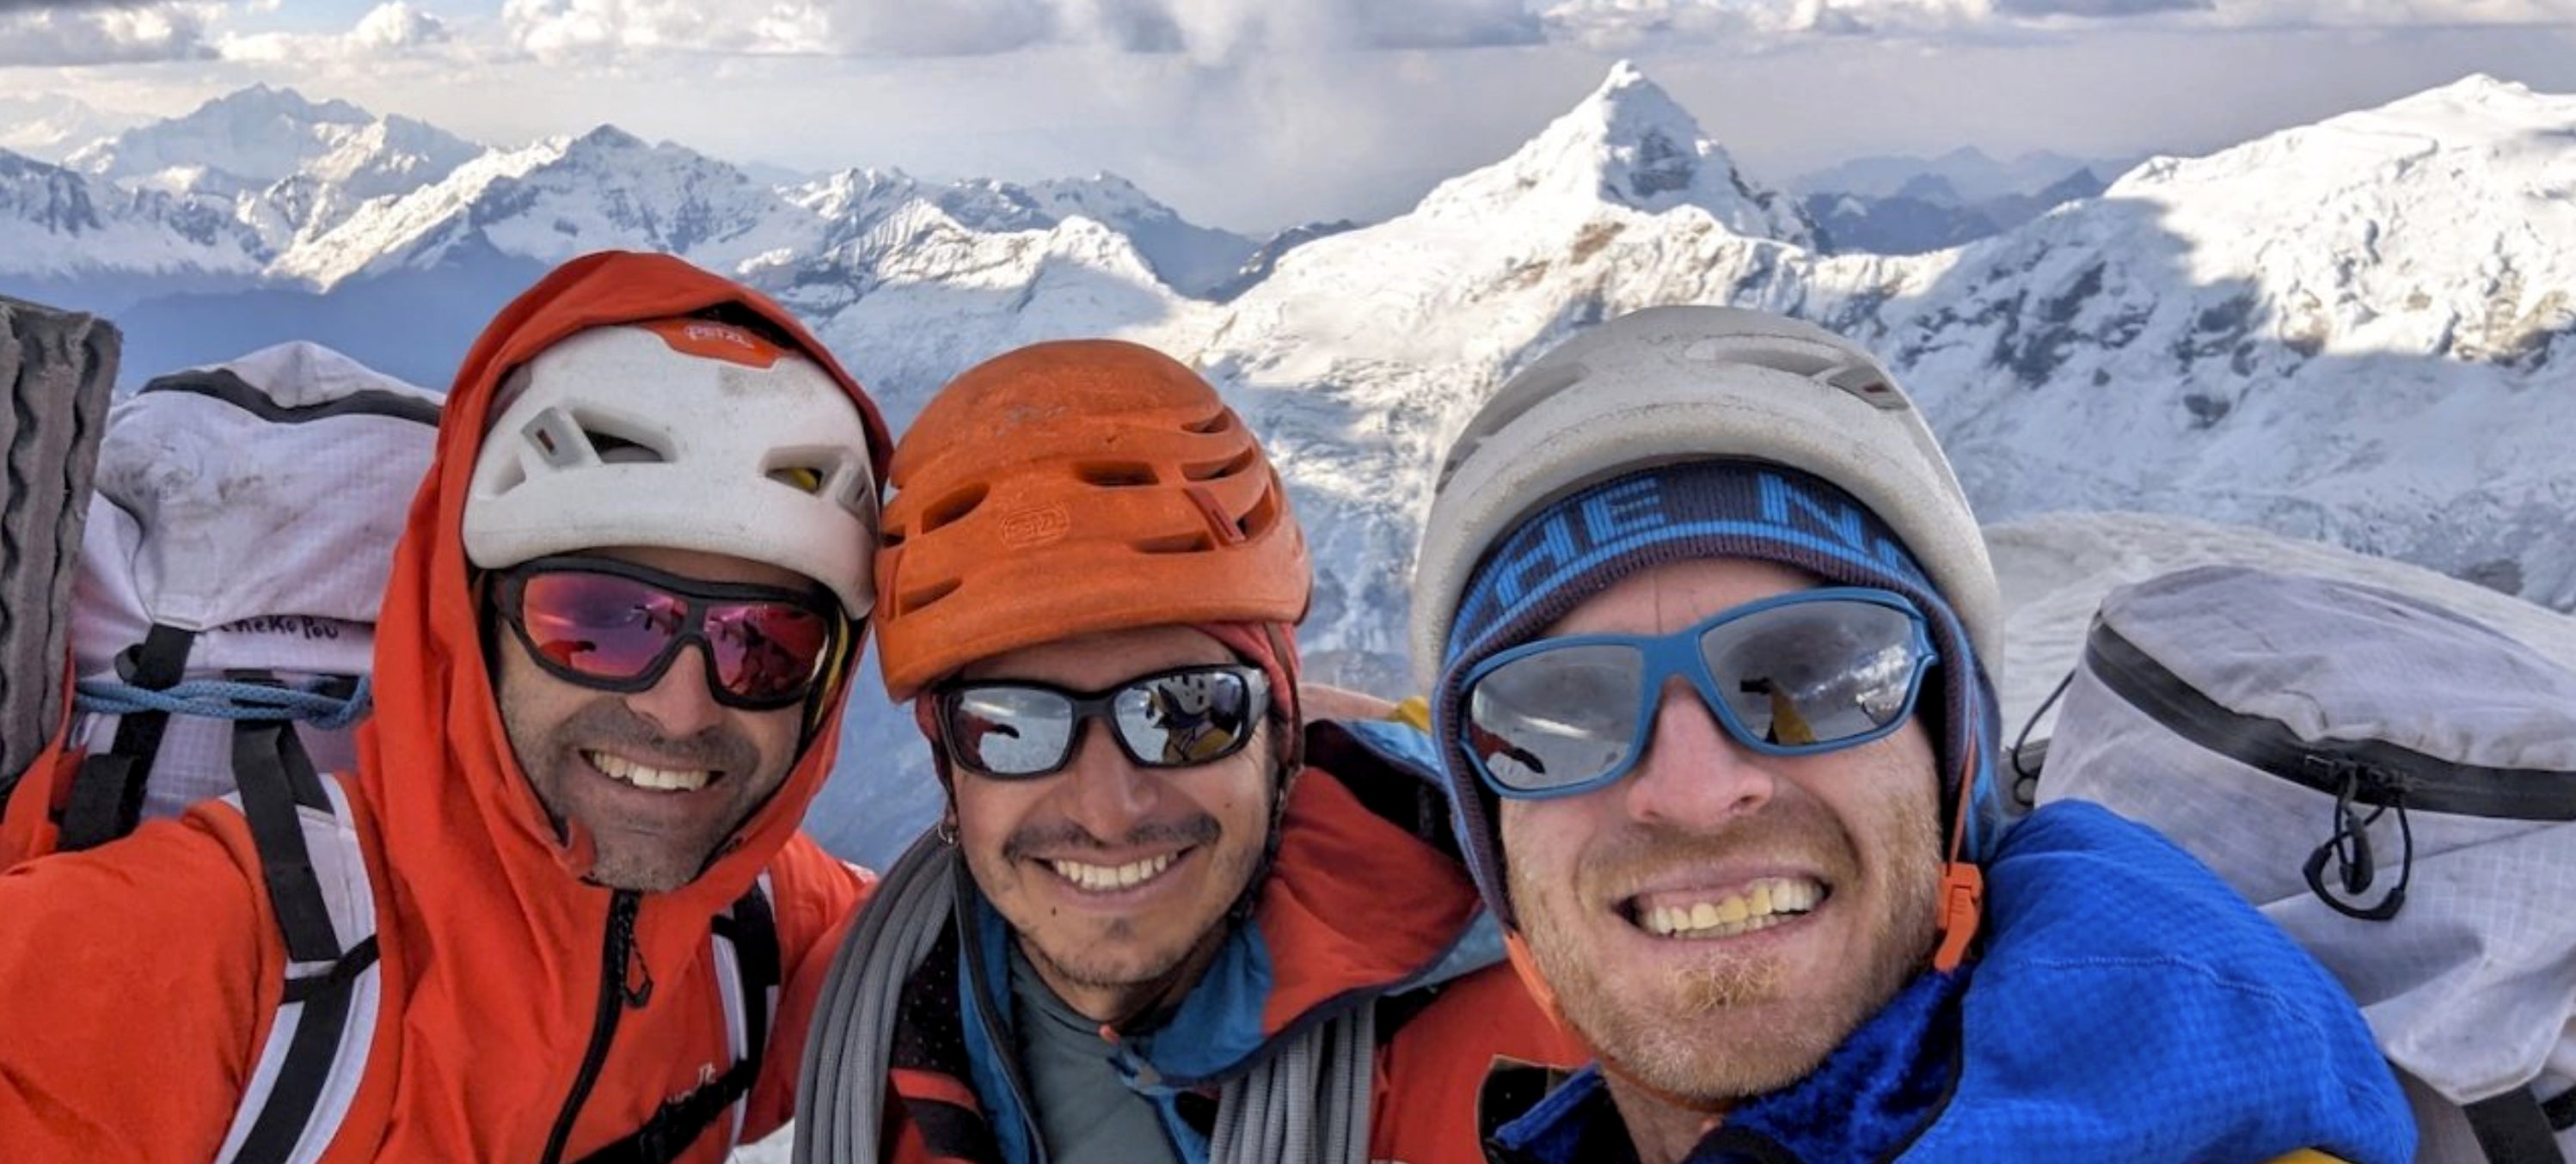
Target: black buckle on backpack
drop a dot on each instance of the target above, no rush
(2360, 786)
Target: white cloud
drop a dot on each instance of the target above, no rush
(103, 35)
(1625, 24)
(396, 26)
(1231, 31)
(389, 31)
(608, 30)
(1206, 30)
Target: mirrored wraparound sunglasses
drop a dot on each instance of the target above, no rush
(613, 625)
(1020, 729)
(1801, 673)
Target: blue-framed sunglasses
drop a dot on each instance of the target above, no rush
(1802, 673)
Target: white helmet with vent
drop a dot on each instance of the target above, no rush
(682, 433)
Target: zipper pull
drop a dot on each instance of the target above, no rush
(2348, 846)
(635, 981)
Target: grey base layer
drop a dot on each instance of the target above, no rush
(59, 368)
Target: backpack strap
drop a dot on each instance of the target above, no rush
(106, 798)
(2561, 1110)
(2514, 1128)
(748, 972)
(315, 873)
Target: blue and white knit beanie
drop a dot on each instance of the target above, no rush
(1695, 432)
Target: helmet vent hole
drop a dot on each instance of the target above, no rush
(1190, 543)
(616, 444)
(1865, 382)
(801, 478)
(1218, 470)
(952, 507)
(922, 596)
(1263, 514)
(1115, 474)
(1220, 421)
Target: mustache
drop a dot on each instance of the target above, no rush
(608, 722)
(1617, 866)
(1195, 830)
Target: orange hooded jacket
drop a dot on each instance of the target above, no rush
(138, 979)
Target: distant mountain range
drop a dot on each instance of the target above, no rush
(2356, 331)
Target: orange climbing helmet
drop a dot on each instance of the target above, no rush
(1069, 488)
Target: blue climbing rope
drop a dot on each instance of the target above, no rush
(226, 699)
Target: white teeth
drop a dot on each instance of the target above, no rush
(1764, 904)
(623, 770)
(1110, 878)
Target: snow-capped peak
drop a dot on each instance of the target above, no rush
(560, 197)
(286, 167)
(255, 136)
(1629, 143)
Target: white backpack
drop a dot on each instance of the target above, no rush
(223, 627)
(2395, 785)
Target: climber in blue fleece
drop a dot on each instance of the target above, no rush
(1700, 608)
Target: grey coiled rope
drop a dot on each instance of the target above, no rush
(1308, 1103)
(840, 1092)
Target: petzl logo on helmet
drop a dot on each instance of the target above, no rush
(1035, 526)
(715, 341)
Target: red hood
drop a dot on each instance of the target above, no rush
(463, 834)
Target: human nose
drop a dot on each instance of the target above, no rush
(1694, 776)
(679, 703)
(1103, 791)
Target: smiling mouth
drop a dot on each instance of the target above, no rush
(1091, 878)
(1760, 905)
(647, 777)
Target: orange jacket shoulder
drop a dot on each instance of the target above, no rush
(1430, 1074)
(134, 982)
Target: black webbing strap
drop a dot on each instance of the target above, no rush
(679, 1122)
(2561, 1110)
(307, 1069)
(106, 799)
(2513, 1129)
(276, 776)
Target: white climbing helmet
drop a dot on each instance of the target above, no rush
(683, 433)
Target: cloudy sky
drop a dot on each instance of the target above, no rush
(1254, 114)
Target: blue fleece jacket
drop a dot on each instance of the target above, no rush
(2127, 1006)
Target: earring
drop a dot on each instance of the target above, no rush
(946, 830)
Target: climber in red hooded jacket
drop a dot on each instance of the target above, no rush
(608, 681)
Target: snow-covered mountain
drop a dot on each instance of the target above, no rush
(1929, 214)
(1192, 259)
(280, 163)
(63, 229)
(50, 126)
(565, 196)
(2356, 331)
(1968, 173)
(246, 140)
